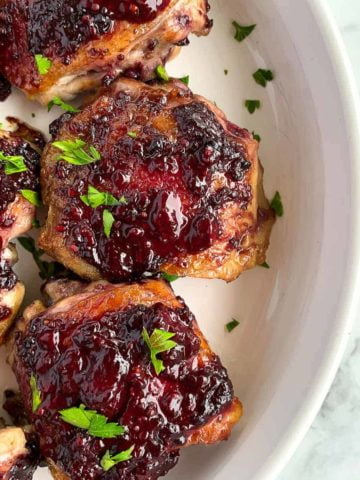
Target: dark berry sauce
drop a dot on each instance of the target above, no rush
(104, 364)
(25, 465)
(176, 182)
(5, 88)
(8, 278)
(11, 184)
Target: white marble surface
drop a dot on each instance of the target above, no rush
(331, 449)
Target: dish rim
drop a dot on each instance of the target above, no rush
(350, 305)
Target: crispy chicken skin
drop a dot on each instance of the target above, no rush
(99, 359)
(190, 183)
(16, 213)
(87, 40)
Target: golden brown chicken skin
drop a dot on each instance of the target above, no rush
(171, 186)
(89, 351)
(52, 48)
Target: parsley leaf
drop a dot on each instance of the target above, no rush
(96, 425)
(31, 196)
(74, 153)
(252, 105)
(256, 136)
(108, 222)
(264, 265)
(132, 134)
(170, 278)
(13, 163)
(95, 198)
(231, 325)
(262, 76)
(158, 342)
(108, 461)
(226, 71)
(242, 31)
(161, 73)
(43, 64)
(46, 269)
(185, 79)
(277, 205)
(35, 394)
(65, 106)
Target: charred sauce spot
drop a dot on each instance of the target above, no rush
(175, 184)
(103, 363)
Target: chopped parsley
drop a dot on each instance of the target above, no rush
(185, 79)
(35, 394)
(256, 137)
(108, 221)
(95, 198)
(43, 64)
(226, 71)
(46, 269)
(277, 205)
(74, 153)
(13, 163)
(97, 425)
(262, 76)
(170, 278)
(242, 31)
(265, 265)
(132, 134)
(65, 106)
(31, 196)
(158, 342)
(35, 223)
(108, 461)
(161, 73)
(252, 105)
(231, 325)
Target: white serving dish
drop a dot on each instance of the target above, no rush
(295, 318)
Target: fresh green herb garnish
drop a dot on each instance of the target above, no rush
(252, 105)
(262, 76)
(65, 106)
(43, 64)
(170, 278)
(46, 269)
(95, 198)
(108, 221)
(231, 325)
(265, 265)
(132, 134)
(242, 31)
(256, 137)
(161, 73)
(31, 196)
(108, 461)
(277, 205)
(33, 115)
(13, 163)
(226, 71)
(35, 223)
(158, 342)
(74, 153)
(35, 394)
(185, 79)
(97, 425)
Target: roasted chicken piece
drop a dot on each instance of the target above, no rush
(172, 185)
(19, 170)
(99, 376)
(54, 48)
(18, 454)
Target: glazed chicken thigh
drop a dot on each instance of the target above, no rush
(54, 48)
(19, 171)
(106, 398)
(167, 184)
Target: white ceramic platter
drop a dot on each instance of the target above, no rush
(295, 317)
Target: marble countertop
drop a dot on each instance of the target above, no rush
(331, 449)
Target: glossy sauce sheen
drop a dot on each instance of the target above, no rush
(167, 176)
(57, 28)
(104, 364)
